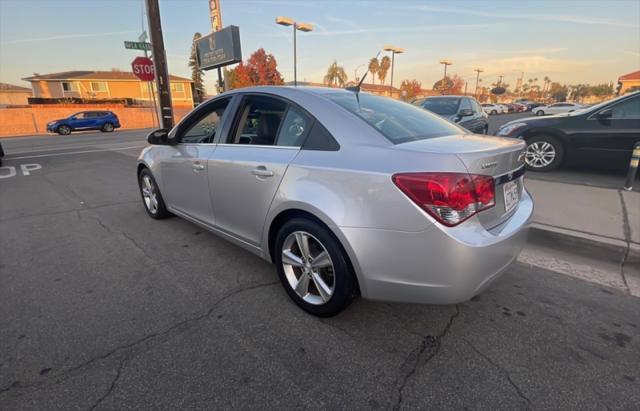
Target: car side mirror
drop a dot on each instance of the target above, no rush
(158, 137)
(465, 112)
(605, 114)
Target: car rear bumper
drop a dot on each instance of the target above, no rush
(439, 265)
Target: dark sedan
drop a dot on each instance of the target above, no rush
(462, 110)
(603, 134)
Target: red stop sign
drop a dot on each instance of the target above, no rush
(143, 68)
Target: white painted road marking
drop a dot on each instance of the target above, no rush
(12, 171)
(25, 168)
(28, 168)
(71, 152)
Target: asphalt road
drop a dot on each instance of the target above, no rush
(102, 307)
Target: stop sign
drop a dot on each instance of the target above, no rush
(143, 68)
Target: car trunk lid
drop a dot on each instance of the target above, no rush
(500, 158)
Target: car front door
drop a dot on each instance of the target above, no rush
(80, 120)
(611, 132)
(471, 122)
(185, 178)
(246, 168)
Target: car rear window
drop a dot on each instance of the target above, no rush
(442, 105)
(399, 122)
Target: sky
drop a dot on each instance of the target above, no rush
(570, 41)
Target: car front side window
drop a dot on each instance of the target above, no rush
(204, 130)
(626, 110)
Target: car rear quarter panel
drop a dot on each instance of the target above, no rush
(353, 188)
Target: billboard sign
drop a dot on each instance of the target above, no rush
(219, 48)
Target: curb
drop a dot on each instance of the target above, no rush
(588, 245)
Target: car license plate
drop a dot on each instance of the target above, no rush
(511, 197)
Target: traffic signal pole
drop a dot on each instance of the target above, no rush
(160, 63)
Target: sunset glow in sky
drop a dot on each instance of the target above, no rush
(569, 41)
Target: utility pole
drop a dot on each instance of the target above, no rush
(160, 63)
(477, 70)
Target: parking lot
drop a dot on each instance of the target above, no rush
(102, 307)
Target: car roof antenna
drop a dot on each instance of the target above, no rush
(357, 88)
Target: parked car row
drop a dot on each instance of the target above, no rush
(556, 108)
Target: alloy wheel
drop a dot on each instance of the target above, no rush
(539, 154)
(64, 130)
(108, 127)
(149, 194)
(308, 268)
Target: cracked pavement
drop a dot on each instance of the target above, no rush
(104, 308)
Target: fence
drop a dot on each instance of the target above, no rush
(34, 119)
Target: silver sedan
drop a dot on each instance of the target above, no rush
(346, 193)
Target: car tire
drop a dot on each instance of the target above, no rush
(107, 128)
(539, 113)
(543, 153)
(151, 197)
(63, 130)
(302, 279)
(494, 112)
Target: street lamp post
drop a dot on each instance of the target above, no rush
(305, 27)
(445, 63)
(444, 78)
(477, 70)
(394, 51)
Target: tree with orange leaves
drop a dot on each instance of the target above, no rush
(260, 70)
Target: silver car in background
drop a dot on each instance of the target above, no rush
(347, 193)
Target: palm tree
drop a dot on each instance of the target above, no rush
(385, 64)
(336, 76)
(374, 66)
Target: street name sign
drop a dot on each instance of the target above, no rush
(137, 45)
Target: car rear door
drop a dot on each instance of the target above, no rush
(185, 178)
(95, 119)
(247, 168)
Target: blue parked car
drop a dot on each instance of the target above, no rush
(85, 120)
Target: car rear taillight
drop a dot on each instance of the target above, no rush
(450, 198)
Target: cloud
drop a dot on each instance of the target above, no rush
(344, 22)
(533, 65)
(518, 16)
(71, 36)
(444, 27)
(631, 53)
(548, 50)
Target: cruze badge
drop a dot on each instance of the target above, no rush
(489, 165)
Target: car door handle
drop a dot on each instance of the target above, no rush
(261, 171)
(198, 166)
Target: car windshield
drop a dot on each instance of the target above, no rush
(442, 106)
(397, 121)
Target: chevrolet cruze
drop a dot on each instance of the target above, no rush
(347, 193)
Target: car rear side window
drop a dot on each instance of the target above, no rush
(399, 122)
(320, 139)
